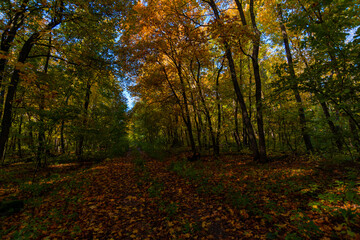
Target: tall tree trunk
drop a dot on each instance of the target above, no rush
(23, 55)
(41, 136)
(62, 140)
(355, 135)
(258, 91)
(62, 128)
(206, 110)
(80, 143)
(176, 139)
(237, 133)
(198, 129)
(8, 105)
(249, 87)
(7, 37)
(302, 119)
(195, 110)
(186, 107)
(19, 138)
(240, 97)
(201, 126)
(217, 147)
(256, 68)
(334, 129)
(183, 107)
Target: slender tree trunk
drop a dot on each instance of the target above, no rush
(23, 55)
(249, 87)
(304, 131)
(12, 145)
(187, 111)
(334, 129)
(7, 37)
(355, 135)
(80, 143)
(258, 91)
(176, 138)
(41, 136)
(7, 113)
(62, 140)
(62, 128)
(217, 147)
(201, 126)
(206, 110)
(19, 138)
(236, 133)
(249, 127)
(198, 129)
(185, 117)
(256, 69)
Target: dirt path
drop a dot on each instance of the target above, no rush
(114, 200)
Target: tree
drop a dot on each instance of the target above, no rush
(240, 98)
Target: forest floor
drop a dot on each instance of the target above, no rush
(138, 197)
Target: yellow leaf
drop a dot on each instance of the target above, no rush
(339, 227)
(187, 235)
(203, 224)
(132, 236)
(231, 211)
(135, 231)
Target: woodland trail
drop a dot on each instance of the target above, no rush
(114, 200)
(137, 197)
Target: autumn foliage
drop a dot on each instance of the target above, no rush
(198, 119)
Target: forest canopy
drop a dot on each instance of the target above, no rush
(179, 119)
(266, 76)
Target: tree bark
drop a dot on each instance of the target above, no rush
(217, 147)
(258, 91)
(240, 97)
(8, 36)
(186, 107)
(185, 114)
(23, 55)
(19, 138)
(41, 136)
(206, 110)
(294, 86)
(355, 135)
(237, 133)
(195, 110)
(7, 113)
(334, 129)
(80, 143)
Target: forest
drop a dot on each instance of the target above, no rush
(181, 119)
